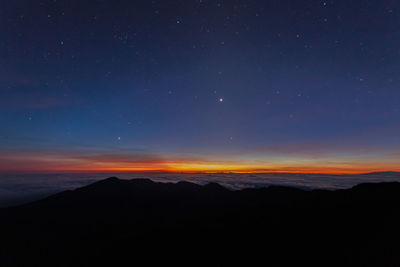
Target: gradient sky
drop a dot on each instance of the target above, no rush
(200, 85)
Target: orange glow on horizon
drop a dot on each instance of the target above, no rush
(37, 161)
(185, 169)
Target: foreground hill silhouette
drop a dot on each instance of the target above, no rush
(138, 222)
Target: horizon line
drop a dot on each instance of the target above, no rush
(191, 172)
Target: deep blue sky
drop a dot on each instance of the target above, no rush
(202, 85)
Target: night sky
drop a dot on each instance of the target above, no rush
(200, 85)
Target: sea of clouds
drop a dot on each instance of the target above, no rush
(20, 188)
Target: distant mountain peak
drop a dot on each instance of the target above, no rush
(383, 173)
(113, 178)
(110, 180)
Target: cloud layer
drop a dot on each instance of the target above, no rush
(17, 188)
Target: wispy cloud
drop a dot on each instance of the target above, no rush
(32, 100)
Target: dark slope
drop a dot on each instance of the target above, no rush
(387, 173)
(139, 222)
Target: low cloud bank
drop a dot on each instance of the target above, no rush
(20, 188)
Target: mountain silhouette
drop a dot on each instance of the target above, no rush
(387, 173)
(117, 222)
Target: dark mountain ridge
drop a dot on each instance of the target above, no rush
(381, 174)
(127, 222)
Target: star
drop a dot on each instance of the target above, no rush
(119, 138)
(221, 100)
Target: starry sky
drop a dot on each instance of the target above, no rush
(200, 86)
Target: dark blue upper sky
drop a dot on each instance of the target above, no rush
(200, 85)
